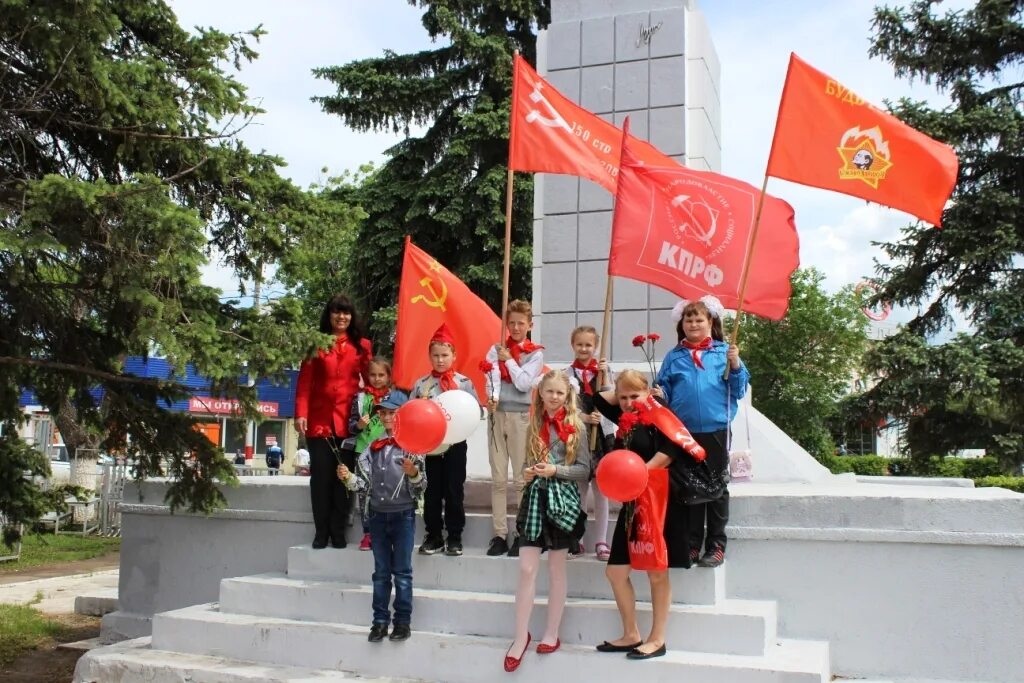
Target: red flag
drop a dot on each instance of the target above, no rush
(429, 295)
(828, 137)
(687, 231)
(549, 133)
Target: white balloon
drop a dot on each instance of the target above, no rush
(462, 413)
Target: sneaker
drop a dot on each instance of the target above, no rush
(513, 550)
(432, 545)
(497, 547)
(694, 556)
(377, 632)
(713, 557)
(454, 547)
(578, 552)
(365, 543)
(401, 632)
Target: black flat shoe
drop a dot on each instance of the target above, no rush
(319, 543)
(610, 647)
(637, 654)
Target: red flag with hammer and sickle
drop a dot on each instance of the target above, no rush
(690, 232)
(429, 295)
(549, 133)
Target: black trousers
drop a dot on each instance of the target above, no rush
(329, 497)
(446, 491)
(713, 515)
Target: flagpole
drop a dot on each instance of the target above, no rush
(609, 288)
(508, 206)
(746, 271)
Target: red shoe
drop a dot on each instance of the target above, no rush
(512, 663)
(365, 543)
(545, 649)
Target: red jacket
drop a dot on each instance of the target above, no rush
(326, 385)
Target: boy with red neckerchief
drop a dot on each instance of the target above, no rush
(514, 368)
(446, 471)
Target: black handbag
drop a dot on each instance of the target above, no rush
(697, 482)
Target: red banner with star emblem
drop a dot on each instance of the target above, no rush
(428, 295)
(688, 231)
(549, 133)
(828, 137)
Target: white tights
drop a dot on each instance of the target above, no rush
(529, 564)
(600, 510)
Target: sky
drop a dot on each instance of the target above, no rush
(753, 40)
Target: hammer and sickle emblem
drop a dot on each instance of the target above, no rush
(555, 119)
(438, 300)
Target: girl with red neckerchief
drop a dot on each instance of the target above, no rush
(513, 370)
(550, 517)
(364, 422)
(585, 374)
(323, 396)
(691, 379)
(657, 450)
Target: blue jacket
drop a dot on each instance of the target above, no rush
(698, 397)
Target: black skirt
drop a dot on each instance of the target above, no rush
(551, 537)
(676, 537)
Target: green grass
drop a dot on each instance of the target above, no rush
(48, 549)
(22, 628)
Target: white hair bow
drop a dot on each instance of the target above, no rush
(715, 307)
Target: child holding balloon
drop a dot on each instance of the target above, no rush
(446, 471)
(657, 450)
(585, 373)
(364, 423)
(391, 481)
(551, 517)
(691, 377)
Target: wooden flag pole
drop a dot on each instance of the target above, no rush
(746, 272)
(508, 254)
(508, 208)
(603, 377)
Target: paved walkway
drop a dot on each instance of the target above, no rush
(59, 593)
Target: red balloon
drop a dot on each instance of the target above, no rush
(622, 475)
(420, 425)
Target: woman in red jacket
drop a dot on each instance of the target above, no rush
(323, 395)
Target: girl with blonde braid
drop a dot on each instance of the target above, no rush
(551, 517)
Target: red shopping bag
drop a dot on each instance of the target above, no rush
(647, 548)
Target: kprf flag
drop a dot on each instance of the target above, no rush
(549, 133)
(429, 295)
(688, 231)
(828, 137)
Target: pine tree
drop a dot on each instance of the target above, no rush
(446, 187)
(120, 173)
(968, 391)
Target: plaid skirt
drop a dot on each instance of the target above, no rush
(552, 536)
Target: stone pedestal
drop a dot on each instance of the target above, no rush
(651, 60)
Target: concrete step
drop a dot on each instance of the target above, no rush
(474, 571)
(204, 630)
(135, 660)
(96, 602)
(479, 531)
(742, 627)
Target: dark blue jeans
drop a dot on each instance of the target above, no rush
(391, 538)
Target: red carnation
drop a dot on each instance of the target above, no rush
(654, 337)
(639, 340)
(626, 424)
(486, 366)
